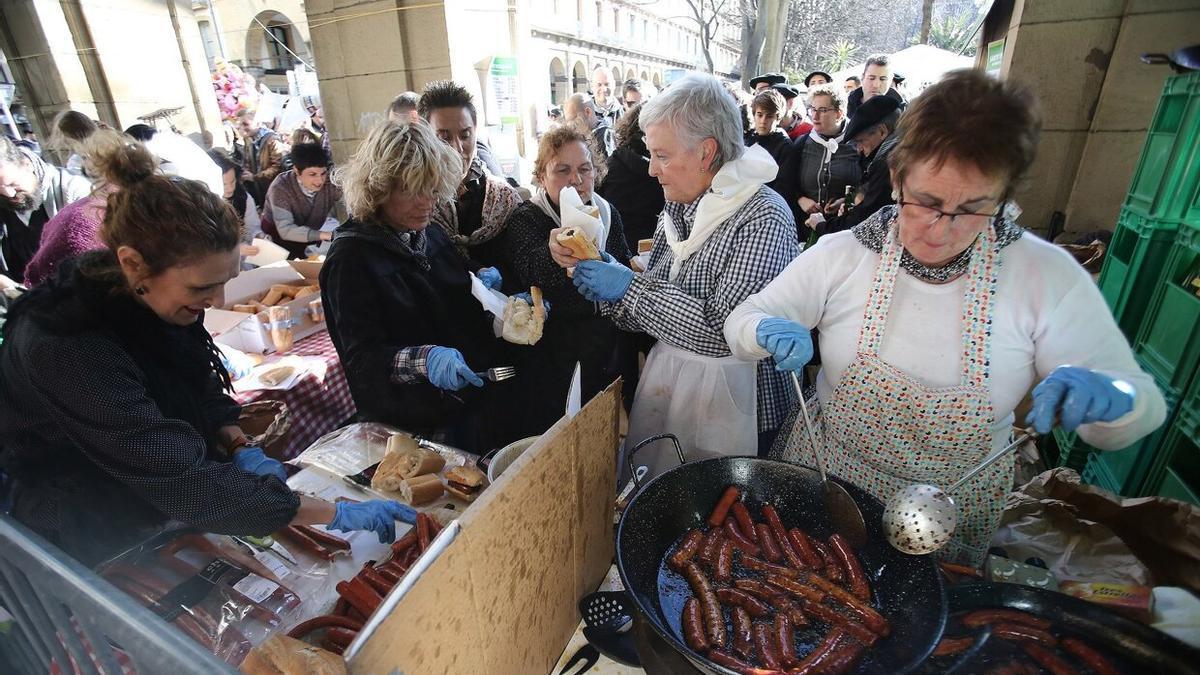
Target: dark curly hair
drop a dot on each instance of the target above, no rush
(629, 131)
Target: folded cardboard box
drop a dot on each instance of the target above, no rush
(249, 332)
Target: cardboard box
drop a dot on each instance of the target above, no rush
(501, 598)
(248, 332)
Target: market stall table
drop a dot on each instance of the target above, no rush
(317, 405)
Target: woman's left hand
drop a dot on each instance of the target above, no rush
(254, 461)
(561, 254)
(490, 276)
(604, 280)
(1078, 396)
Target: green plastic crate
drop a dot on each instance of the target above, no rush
(1168, 171)
(1072, 452)
(1168, 344)
(1176, 473)
(1134, 265)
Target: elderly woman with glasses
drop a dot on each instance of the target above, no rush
(721, 237)
(939, 313)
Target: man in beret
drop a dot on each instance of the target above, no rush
(817, 77)
(793, 122)
(760, 82)
(873, 132)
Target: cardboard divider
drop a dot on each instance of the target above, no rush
(502, 597)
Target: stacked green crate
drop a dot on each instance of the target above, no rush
(1175, 472)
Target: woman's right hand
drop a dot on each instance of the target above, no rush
(561, 254)
(808, 205)
(448, 370)
(789, 343)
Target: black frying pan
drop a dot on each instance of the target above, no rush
(1132, 647)
(908, 589)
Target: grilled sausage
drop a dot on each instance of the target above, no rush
(723, 568)
(759, 565)
(844, 657)
(722, 508)
(786, 639)
(770, 548)
(796, 588)
(1022, 633)
(815, 660)
(756, 588)
(327, 621)
(748, 547)
(949, 646)
(870, 618)
(743, 633)
(791, 610)
(854, 571)
(714, 620)
(708, 546)
(693, 626)
(745, 523)
(830, 567)
(764, 642)
(687, 549)
(985, 617)
(781, 537)
(803, 546)
(732, 597)
(828, 615)
(1094, 660)
(730, 661)
(1048, 659)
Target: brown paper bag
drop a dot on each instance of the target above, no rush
(1086, 533)
(266, 426)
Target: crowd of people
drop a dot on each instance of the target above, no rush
(735, 232)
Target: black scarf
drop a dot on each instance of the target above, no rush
(873, 232)
(178, 362)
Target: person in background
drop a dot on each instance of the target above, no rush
(243, 204)
(873, 133)
(75, 229)
(31, 193)
(576, 333)
(578, 114)
(475, 219)
(876, 81)
(316, 123)
(817, 77)
(898, 86)
(603, 103)
(768, 106)
(853, 82)
(938, 314)
(178, 156)
(723, 236)
(300, 200)
(71, 129)
(766, 81)
(398, 301)
(822, 165)
(299, 135)
(554, 114)
(403, 108)
(262, 155)
(113, 408)
(628, 185)
(792, 121)
(632, 93)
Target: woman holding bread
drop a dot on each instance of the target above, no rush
(112, 404)
(577, 333)
(398, 303)
(723, 235)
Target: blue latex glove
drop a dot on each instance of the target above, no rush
(376, 515)
(449, 370)
(790, 343)
(604, 280)
(254, 461)
(529, 301)
(490, 276)
(1078, 396)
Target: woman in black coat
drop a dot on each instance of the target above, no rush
(397, 297)
(628, 185)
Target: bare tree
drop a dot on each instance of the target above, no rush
(708, 15)
(926, 20)
(762, 35)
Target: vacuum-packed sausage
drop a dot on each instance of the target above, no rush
(327, 621)
(324, 538)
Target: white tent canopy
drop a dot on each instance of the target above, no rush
(921, 65)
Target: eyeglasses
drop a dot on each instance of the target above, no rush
(818, 111)
(927, 215)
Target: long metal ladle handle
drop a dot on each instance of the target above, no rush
(812, 433)
(995, 457)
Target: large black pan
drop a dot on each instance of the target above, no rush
(908, 589)
(1132, 647)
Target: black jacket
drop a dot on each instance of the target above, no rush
(632, 191)
(380, 298)
(855, 98)
(109, 420)
(780, 148)
(802, 175)
(876, 190)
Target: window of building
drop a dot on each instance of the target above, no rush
(278, 43)
(599, 14)
(632, 22)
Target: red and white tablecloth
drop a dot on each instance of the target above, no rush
(316, 406)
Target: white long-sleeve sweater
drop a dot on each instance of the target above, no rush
(1048, 312)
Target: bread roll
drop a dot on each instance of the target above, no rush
(305, 291)
(246, 309)
(272, 297)
(282, 655)
(523, 322)
(580, 244)
(420, 490)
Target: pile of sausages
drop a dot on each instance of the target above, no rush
(772, 581)
(359, 597)
(1032, 634)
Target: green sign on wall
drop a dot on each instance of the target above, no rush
(995, 57)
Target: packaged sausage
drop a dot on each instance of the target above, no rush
(1136, 602)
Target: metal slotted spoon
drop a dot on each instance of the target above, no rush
(844, 513)
(921, 519)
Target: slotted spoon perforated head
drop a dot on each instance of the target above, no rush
(919, 519)
(606, 610)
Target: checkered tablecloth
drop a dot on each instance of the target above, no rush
(316, 406)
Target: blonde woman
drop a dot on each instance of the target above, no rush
(397, 295)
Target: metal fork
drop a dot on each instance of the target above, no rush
(497, 374)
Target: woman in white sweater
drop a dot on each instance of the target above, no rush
(938, 314)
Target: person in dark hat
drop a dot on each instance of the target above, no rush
(760, 82)
(873, 132)
(793, 121)
(817, 77)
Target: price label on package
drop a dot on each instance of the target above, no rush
(256, 588)
(273, 563)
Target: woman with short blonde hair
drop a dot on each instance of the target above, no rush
(397, 296)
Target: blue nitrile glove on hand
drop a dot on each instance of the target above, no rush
(254, 461)
(529, 301)
(449, 370)
(604, 280)
(790, 343)
(1078, 396)
(376, 515)
(490, 276)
